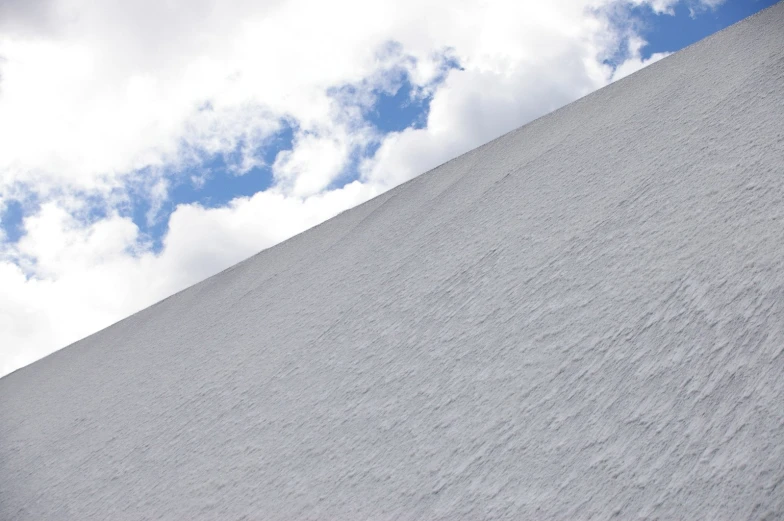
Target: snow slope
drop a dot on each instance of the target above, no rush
(581, 319)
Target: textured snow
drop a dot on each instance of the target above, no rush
(581, 319)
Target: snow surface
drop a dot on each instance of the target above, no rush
(581, 319)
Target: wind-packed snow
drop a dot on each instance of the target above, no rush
(581, 319)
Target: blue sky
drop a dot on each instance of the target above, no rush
(672, 33)
(136, 159)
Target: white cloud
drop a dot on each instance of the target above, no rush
(313, 163)
(108, 98)
(634, 62)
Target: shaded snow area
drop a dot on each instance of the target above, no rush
(581, 319)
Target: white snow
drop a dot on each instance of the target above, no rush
(581, 319)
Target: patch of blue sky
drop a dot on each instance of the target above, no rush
(687, 24)
(397, 111)
(212, 183)
(394, 109)
(671, 33)
(406, 106)
(11, 220)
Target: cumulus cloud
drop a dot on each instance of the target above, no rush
(313, 162)
(100, 101)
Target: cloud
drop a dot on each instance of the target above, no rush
(634, 61)
(313, 162)
(101, 102)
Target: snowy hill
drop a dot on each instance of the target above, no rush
(581, 319)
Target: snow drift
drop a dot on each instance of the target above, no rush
(581, 319)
